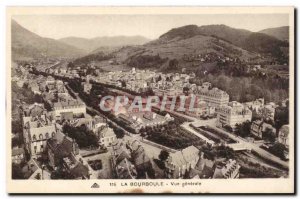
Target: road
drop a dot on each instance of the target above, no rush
(186, 126)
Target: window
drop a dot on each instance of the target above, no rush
(34, 138)
(47, 135)
(53, 134)
(35, 148)
(40, 136)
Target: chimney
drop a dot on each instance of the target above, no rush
(201, 155)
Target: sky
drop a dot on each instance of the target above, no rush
(149, 26)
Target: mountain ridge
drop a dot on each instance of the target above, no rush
(281, 33)
(92, 44)
(191, 42)
(239, 37)
(28, 45)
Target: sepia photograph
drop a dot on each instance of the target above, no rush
(150, 100)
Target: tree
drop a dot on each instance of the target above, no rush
(228, 128)
(186, 90)
(15, 141)
(163, 156)
(223, 151)
(82, 136)
(119, 133)
(38, 176)
(281, 116)
(71, 65)
(17, 172)
(269, 135)
(16, 126)
(173, 64)
(243, 129)
(278, 150)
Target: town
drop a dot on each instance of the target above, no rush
(60, 131)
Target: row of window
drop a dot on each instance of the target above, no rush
(41, 137)
(41, 149)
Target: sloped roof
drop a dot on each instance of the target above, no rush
(68, 104)
(107, 132)
(79, 170)
(139, 156)
(126, 169)
(67, 115)
(205, 168)
(190, 153)
(61, 145)
(176, 159)
(42, 130)
(123, 155)
(82, 121)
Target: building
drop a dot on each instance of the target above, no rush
(268, 111)
(75, 106)
(98, 122)
(60, 146)
(86, 85)
(33, 110)
(232, 114)
(106, 136)
(179, 163)
(140, 160)
(258, 128)
(63, 152)
(124, 168)
(34, 87)
(18, 155)
(283, 135)
(213, 97)
(138, 120)
(204, 169)
(227, 169)
(256, 104)
(36, 131)
(75, 167)
(200, 107)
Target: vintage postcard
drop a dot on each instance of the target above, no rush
(171, 100)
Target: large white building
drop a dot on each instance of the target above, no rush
(36, 131)
(106, 136)
(76, 107)
(213, 97)
(232, 114)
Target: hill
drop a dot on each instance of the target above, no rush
(281, 33)
(93, 44)
(193, 47)
(239, 37)
(158, 53)
(28, 45)
(235, 36)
